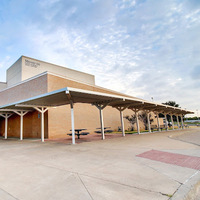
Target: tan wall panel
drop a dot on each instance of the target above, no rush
(25, 90)
(2, 126)
(85, 116)
(31, 126)
(55, 83)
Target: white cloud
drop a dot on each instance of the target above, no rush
(143, 48)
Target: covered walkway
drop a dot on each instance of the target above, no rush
(72, 96)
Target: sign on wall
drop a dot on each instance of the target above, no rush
(31, 63)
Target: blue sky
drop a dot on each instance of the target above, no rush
(145, 48)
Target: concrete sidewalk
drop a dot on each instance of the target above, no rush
(108, 169)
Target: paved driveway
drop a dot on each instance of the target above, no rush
(109, 169)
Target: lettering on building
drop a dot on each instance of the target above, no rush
(31, 63)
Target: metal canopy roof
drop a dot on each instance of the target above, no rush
(67, 95)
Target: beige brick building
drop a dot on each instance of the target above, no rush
(29, 77)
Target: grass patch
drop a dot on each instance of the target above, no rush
(193, 123)
(130, 132)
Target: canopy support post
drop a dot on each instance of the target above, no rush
(21, 114)
(121, 109)
(172, 121)
(102, 124)
(177, 121)
(42, 110)
(122, 123)
(6, 127)
(101, 107)
(158, 122)
(182, 122)
(6, 116)
(137, 120)
(72, 122)
(166, 124)
(148, 119)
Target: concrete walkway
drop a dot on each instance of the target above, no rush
(107, 170)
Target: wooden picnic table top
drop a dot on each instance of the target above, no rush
(78, 134)
(79, 129)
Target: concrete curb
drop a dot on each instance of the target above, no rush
(189, 190)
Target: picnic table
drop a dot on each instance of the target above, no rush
(106, 130)
(79, 132)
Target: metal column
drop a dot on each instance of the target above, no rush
(6, 116)
(157, 114)
(182, 122)
(72, 122)
(122, 123)
(172, 121)
(166, 124)
(21, 114)
(177, 121)
(149, 124)
(101, 107)
(42, 110)
(137, 122)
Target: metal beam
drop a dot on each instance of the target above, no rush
(128, 105)
(33, 105)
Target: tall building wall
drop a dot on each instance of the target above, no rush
(25, 68)
(31, 127)
(3, 86)
(14, 73)
(32, 67)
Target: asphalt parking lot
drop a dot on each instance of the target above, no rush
(139, 167)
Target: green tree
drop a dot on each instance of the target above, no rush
(132, 121)
(170, 103)
(143, 117)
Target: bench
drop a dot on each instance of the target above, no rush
(105, 131)
(162, 127)
(154, 127)
(108, 131)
